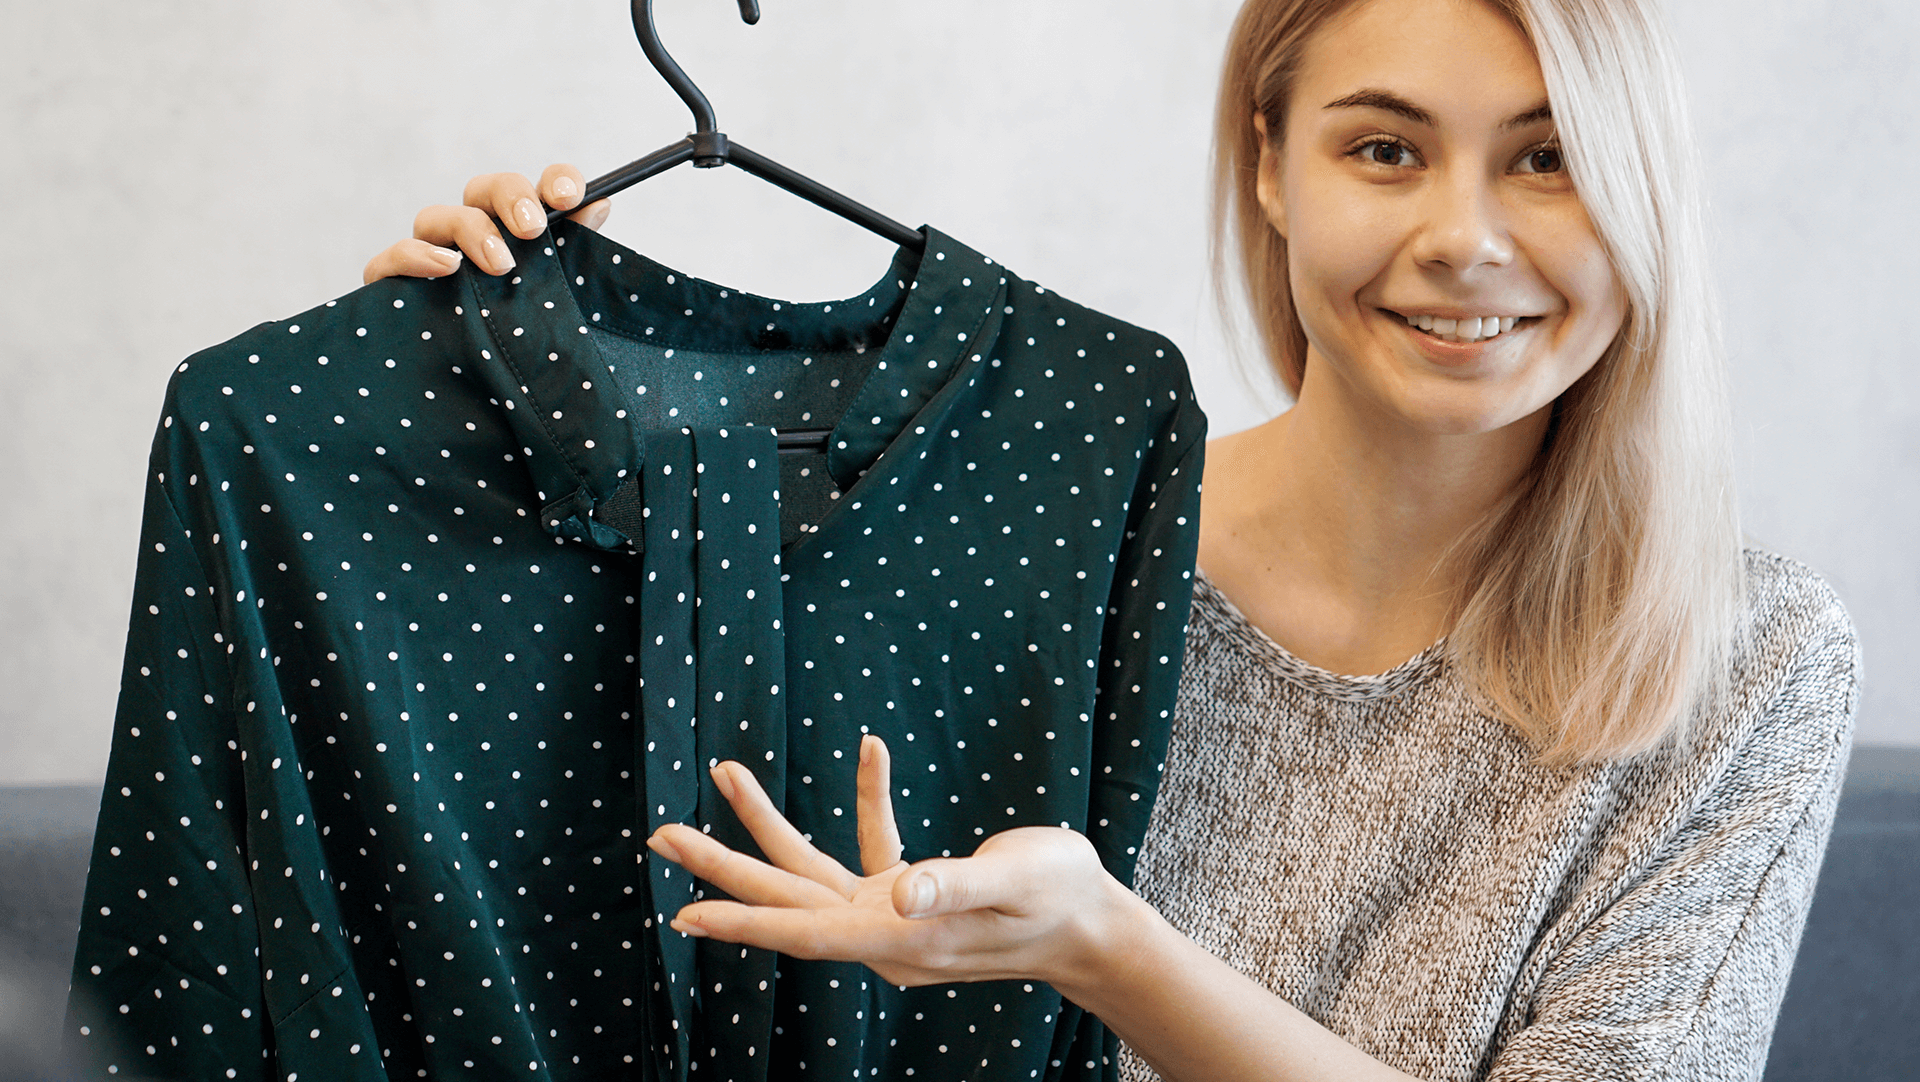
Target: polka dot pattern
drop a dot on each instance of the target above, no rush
(450, 592)
(711, 668)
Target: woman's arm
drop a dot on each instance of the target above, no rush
(1193, 1017)
(1032, 903)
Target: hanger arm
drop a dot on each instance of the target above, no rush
(619, 180)
(766, 169)
(822, 196)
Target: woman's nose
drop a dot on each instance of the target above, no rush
(1463, 227)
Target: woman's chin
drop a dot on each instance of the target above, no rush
(1473, 413)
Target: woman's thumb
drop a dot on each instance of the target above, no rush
(934, 888)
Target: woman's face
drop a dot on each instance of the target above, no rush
(1446, 274)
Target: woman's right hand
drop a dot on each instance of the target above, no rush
(442, 233)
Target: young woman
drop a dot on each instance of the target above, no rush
(1568, 823)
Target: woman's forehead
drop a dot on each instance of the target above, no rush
(1459, 59)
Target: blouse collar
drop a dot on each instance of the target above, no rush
(930, 313)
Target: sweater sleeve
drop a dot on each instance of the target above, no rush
(1681, 977)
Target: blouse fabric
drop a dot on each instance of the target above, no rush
(449, 592)
(1389, 860)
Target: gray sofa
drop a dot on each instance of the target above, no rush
(1852, 1010)
(1853, 1007)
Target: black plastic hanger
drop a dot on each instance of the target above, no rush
(708, 148)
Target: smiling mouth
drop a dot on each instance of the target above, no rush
(1465, 331)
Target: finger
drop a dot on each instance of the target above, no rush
(966, 947)
(411, 259)
(1013, 872)
(880, 846)
(470, 230)
(511, 198)
(840, 933)
(937, 887)
(594, 214)
(561, 186)
(784, 846)
(742, 876)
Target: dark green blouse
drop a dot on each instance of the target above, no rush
(449, 591)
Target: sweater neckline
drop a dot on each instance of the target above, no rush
(1222, 615)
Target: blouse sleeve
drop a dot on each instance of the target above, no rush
(1144, 641)
(1142, 648)
(166, 980)
(1681, 977)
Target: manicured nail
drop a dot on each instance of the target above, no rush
(687, 927)
(446, 257)
(599, 217)
(529, 215)
(497, 254)
(665, 848)
(564, 187)
(866, 749)
(723, 781)
(919, 896)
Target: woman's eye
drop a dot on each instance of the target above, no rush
(1387, 154)
(1543, 160)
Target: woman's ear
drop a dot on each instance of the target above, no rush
(1267, 180)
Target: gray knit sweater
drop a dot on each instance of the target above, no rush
(1388, 860)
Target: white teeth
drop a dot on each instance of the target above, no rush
(1474, 329)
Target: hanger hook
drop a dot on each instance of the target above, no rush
(703, 118)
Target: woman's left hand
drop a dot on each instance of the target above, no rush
(1031, 903)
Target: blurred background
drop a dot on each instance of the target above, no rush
(177, 172)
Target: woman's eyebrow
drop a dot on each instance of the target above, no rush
(1387, 100)
(1394, 103)
(1542, 111)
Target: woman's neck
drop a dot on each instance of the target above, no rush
(1328, 526)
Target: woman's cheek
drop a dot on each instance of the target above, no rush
(1598, 305)
(1340, 247)
(1574, 262)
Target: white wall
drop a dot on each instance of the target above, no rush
(174, 173)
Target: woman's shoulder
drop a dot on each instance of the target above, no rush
(1794, 671)
(1791, 616)
(1771, 745)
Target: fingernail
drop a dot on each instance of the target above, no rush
(723, 781)
(687, 927)
(599, 217)
(564, 187)
(919, 896)
(664, 848)
(529, 214)
(447, 257)
(497, 254)
(866, 749)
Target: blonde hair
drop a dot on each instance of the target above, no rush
(1599, 601)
